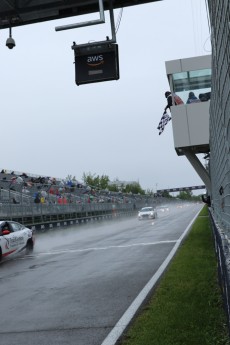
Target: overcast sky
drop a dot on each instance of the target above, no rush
(52, 127)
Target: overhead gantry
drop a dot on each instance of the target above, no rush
(190, 121)
(15, 13)
(22, 12)
(94, 62)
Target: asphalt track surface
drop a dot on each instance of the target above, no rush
(81, 281)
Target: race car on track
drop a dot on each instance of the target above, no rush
(163, 208)
(147, 213)
(15, 238)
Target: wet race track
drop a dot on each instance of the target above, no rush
(80, 281)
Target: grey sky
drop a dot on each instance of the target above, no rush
(52, 127)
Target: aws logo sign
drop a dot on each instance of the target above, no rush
(95, 60)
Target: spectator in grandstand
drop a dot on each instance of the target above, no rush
(51, 191)
(42, 200)
(192, 98)
(44, 193)
(25, 190)
(13, 179)
(23, 175)
(60, 200)
(15, 201)
(37, 199)
(19, 180)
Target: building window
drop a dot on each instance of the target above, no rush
(198, 82)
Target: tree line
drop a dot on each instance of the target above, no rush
(103, 183)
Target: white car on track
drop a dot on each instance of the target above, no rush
(15, 238)
(163, 208)
(147, 213)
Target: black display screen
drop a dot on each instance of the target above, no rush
(96, 63)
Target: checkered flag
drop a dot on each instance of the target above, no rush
(163, 122)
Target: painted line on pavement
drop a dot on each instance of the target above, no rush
(54, 252)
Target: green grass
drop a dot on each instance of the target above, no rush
(186, 307)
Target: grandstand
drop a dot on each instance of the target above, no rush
(25, 188)
(41, 201)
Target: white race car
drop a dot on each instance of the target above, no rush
(15, 238)
(147, 213)
(163, 208)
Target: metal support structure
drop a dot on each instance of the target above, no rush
(94, 22)
(200, 169)
(113, 40)
(88, 23)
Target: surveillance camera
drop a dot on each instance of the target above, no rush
(10, 43)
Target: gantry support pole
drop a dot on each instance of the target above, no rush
(200, 169)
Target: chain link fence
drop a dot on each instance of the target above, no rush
(219, 164)
(219, 112)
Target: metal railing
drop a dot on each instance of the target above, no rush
(35, 204)
(31, 214)
(11, 210)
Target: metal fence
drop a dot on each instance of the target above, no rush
(223, 257)
(219, 112)
(31, 202)
(219, 129)
(31, 214)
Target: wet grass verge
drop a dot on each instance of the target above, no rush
(186, 307)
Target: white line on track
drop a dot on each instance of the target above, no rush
(55, 252)
(124, 321)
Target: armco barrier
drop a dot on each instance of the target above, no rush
(223, 258)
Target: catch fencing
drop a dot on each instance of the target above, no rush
(219, 166)
(223, 257)
(43, 216)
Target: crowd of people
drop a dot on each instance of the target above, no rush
(49, 190)
(192, 98)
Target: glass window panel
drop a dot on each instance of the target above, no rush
(182, 75)
(200, 73)
(197, 81)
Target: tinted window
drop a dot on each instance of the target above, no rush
(146, 209)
